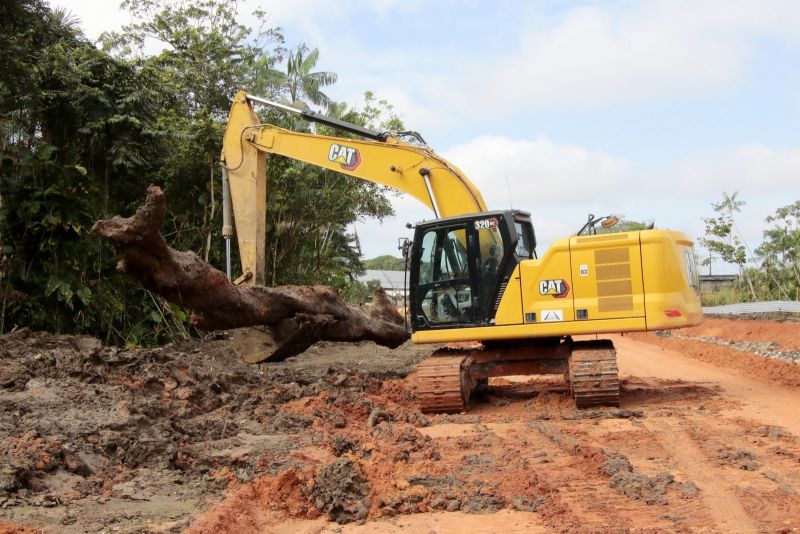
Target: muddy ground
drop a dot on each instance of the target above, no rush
(187, 438)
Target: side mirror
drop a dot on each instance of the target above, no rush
(610, 221)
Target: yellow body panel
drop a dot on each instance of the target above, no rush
(552, 266)
(510, 309)
(670, 255)
(607, 275)
(625, 282)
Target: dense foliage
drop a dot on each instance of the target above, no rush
(83, 130)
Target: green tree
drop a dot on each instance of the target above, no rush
(357, 292)
(720, 239)
(206, 56)
(385, 263)
(206, 52)
(77, 130)
(83, 131)
(780, 251)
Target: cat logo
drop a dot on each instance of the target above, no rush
(346, 156)
(557, 288)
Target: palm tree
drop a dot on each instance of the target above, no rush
(64, 18)
(299, 81)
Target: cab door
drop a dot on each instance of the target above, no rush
(443, 295)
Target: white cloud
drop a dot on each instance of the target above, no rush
(539, 171)
(594, 56)
(752, 169)
(582, 56)
(766, 178)
(655, 49)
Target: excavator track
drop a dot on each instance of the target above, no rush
(593, 374)
(443, 384)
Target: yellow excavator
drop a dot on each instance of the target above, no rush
(475, 275)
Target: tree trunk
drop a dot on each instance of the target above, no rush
(294, 317)
(749, 282)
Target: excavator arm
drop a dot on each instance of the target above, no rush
(380, 158)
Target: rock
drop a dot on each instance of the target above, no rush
(742, 459)
(437, 503)
(9, 478)
(524, 504)
(484, 503)
(341, 491)
(342, 445)
(376, 416)
(87, 346)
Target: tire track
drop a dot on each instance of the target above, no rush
(723, 506)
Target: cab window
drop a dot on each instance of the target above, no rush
(445, 292)
(427, 258)
(524, 245)
(453, 260)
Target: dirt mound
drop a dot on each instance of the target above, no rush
(247, 508)
(650, 489)
(81, 421)
(784, 334)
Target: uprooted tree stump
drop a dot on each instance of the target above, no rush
(291, 318)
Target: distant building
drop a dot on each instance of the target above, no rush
(391, 281)
(713, 283)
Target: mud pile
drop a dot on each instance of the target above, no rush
(81, 421)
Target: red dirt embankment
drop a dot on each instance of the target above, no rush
(786, 334)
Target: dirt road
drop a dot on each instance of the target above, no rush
(758, 399)
(703, 448)
(706, 440)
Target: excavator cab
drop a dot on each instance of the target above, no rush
(461, 265)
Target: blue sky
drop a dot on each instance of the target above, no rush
(650, 109)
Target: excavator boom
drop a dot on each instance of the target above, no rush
(381, 158)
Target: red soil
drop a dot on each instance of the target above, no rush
(786, 334)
